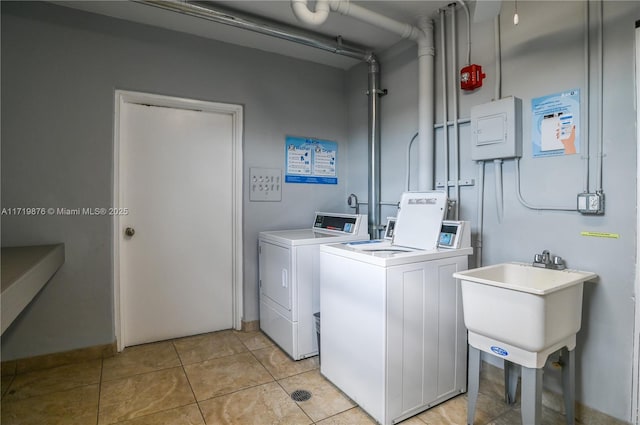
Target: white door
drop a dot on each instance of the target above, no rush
(176, 179)
(275, 273)
(635, 402)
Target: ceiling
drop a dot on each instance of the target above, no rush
(351, 30)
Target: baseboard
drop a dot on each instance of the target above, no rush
(46, 361)
(251, 326)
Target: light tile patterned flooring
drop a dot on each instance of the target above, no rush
(219, 378)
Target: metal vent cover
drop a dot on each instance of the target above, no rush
(301, 395)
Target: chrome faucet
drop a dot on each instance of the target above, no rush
(548, 261)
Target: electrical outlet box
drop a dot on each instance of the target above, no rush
(496, 129)
(591, 203)
(265, 184)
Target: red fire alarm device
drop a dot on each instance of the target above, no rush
(471, 77)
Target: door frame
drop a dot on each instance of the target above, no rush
(236, 113)
(635, 367)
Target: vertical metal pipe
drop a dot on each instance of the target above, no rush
(455, 107)
(600, 119)
(374, 93)
(445, 103)
(586, 115)
(426, 106)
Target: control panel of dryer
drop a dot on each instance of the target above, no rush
(455, 235)
(390, 228)
(339, 223)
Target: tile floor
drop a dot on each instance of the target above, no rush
(224, 377)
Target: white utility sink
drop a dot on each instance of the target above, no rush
(520, 312)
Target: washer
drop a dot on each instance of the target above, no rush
(289, 278)
(393, 336)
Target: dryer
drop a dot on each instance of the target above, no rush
(289, 277)
(393, 336)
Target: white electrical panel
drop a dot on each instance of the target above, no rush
(496, 129)
(265, 184)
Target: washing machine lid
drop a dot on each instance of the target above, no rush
(419, 219)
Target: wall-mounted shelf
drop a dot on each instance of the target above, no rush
(25, 271)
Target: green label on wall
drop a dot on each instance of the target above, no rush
(601, 235)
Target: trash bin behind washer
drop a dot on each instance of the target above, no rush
(317, 318)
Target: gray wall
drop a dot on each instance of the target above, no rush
(60, 68)
(59, 72)
(543, 55)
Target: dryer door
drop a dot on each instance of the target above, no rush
(275, 273)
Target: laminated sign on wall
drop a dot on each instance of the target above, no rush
(310, 161)
(555, 124)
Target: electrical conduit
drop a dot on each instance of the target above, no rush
(497, 163)
(445, 103)
(423, 35)
(258, 25)
(456, 126)
(374, 92)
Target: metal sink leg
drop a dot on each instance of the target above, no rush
(531, 395)
(567, 360)
(473, 383)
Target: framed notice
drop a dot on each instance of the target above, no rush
(555, 124)
(310, 161)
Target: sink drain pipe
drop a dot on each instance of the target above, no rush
(259, 25)
(423, 36)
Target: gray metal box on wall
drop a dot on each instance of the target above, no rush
(496, 129)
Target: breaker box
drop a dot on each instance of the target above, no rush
(496, 129)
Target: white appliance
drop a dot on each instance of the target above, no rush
(393, 336)
(289, 278)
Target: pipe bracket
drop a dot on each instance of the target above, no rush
(379, 92)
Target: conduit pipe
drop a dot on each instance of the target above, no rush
(587, 102)
(600, 96)
(530, 206)
(498, 49)
(466, 11)
(303, 13)
(480, 213)
(261, 26)
(426, 107)
(586, 114)
(445, 103)
(456, 127)
(497, 163)
(408, 173)
(423, 35)
(374, 94)
(404, 30)
(448, 123)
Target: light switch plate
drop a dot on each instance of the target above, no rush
(591, 203)
(265, 184)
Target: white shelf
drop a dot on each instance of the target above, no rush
(25, 271)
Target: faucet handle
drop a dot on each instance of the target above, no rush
(537, 258)
(558, 261)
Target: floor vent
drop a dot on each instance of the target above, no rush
(301, 395)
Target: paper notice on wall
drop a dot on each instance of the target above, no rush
(310, 161)
(555, 124)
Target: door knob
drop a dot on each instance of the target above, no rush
(130, 231)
